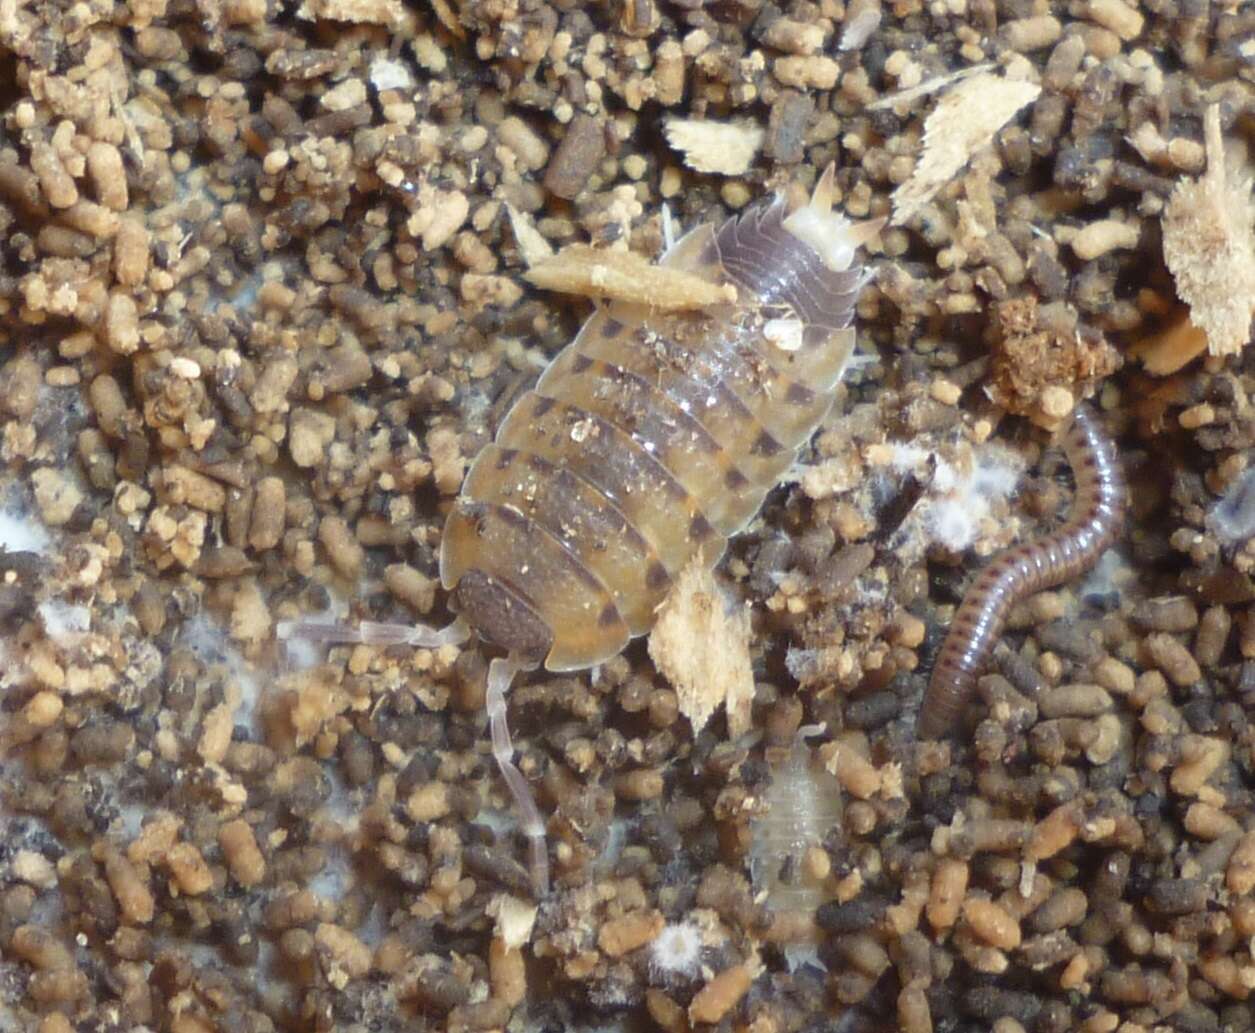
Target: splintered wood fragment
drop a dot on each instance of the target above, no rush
(701, 646)
(1209, 246)
(359, 12)
(533, 247)
(725, 148)
(963, 122)
(626, 276)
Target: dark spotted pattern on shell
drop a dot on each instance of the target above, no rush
(649, 440)
(1095, 520)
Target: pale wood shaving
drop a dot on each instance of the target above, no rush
(964, 121)
(701, 646)
(361, 12)
(533, 247)
(515, 919)
(626, 276)
(1209, 246)
(941, 82)
(725, 148)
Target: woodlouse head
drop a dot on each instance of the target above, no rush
(501, 616)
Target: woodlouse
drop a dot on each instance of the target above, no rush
(649, 440)
(1093, 524)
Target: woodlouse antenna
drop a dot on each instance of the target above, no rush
(501, 673)
(1093, 524)
(374, 633)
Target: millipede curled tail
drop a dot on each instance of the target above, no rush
(1093, 524)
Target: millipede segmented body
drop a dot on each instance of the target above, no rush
(653, 437)
(1093, 524)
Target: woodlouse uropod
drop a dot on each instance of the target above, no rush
(1093, 524)
(649, 440)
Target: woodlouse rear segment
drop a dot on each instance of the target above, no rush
(1093, 524)
(653, 437)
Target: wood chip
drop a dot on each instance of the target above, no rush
(1209, 246)
(964, 121)
(701, 646)
(626, 276)
(724, 148)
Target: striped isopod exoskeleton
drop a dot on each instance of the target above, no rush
(648, 441)
(1093, 524)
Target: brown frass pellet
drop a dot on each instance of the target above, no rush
(1177, 896)
(582, 148)
(1171, 613)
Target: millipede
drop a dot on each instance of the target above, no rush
(1094, 522)
(649, 440)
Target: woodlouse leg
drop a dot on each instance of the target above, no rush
(500, 673)
(374, 633)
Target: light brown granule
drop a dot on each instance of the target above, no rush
(949, 887)
(1024, 35)
(857, 775)
(34, 868)
(721, 994)
(189, 869)
(43, 709)
(129, 886)
(121, 325)
(1240, 875)
(266, 527)
(40, 949)
(992, 923)
(1171, 657)
(343, 550)
(347, 956)
(429, 802)
(1054, 833)
(619, 936)
(1201, 757)
(57, 184)
(216, 732)
(108, 177)
(914, 1014)
(56, 494)
(639, 784)
(411, 586)
(507, 972)
(1116, 15)
(1098, 238)
(239, 847)
(130, 252)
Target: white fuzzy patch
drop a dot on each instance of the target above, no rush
(677, 951)
(959, 501)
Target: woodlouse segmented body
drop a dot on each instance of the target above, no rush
(1094, 522)
(653, 437)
